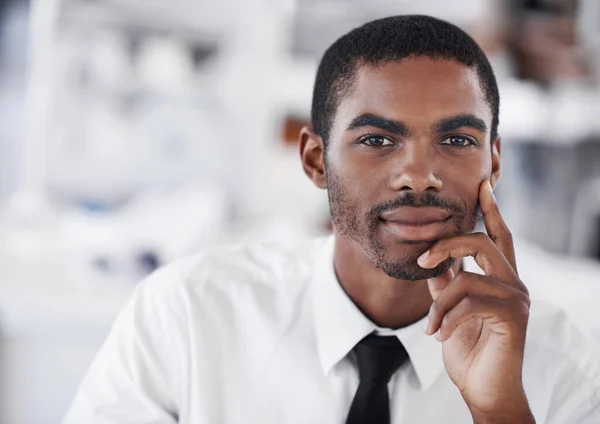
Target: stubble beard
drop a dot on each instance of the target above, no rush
(345, 216)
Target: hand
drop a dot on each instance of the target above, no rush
(481, 320)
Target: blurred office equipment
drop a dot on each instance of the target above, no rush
(149, 136)
(551, 169)
(588, 18)
(13, 21)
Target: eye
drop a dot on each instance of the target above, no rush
(376, 141)
(458, 141)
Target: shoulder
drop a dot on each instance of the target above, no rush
(551, 328)
(274, 267)
(557, 347)
(561, 370)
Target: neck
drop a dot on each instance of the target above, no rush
(386, 301)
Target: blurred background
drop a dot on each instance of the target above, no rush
(134, 132)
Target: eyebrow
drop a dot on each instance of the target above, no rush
(460, 121)
(385, 124)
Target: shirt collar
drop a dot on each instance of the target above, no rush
(340, 325)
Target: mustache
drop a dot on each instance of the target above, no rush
(412, 199)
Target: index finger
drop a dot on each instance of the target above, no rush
(494, 223)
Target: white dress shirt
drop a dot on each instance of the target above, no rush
(263, 334)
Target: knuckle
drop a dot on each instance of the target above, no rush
(522, 304)
(496, 208)
(527, 302)
(438, 309)
(448, 323)
(522, 295)
(434, 309)
(460, 280)
(482, 237)
(524, 289)
(464, 280)
(524, 310)
(468, 303)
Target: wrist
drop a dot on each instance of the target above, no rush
(516, 411)
(522, 417)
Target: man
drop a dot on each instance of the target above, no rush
(341, 330)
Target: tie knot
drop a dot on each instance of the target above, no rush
(378, 358)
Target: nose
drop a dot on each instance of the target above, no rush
(414, 169)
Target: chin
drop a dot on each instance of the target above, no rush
(412, 271)
(400, 262)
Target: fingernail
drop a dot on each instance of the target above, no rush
(422, 258)
(426, 329)
(437, 335)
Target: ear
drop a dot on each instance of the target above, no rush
(312, 153)
(495, 175)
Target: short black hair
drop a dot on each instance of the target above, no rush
(392, 39)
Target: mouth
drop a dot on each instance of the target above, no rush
(427, 226)
(422, 232)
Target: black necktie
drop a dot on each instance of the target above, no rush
(378, 359)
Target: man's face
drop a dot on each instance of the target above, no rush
(408, 149)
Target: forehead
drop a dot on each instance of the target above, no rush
(418, 91)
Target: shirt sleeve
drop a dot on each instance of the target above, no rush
(577, 402)
(576, 395)
(133, 378)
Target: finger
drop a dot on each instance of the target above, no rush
(438, 284)
(480, 247)
(466, 284)
(494, 223)
(495, 313)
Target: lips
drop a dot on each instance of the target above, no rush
(415, 215)
(419, 223)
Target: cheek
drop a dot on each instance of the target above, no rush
(474, 196)
(464, 190)
(470, 190)
(465, 178)
(364, 182)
